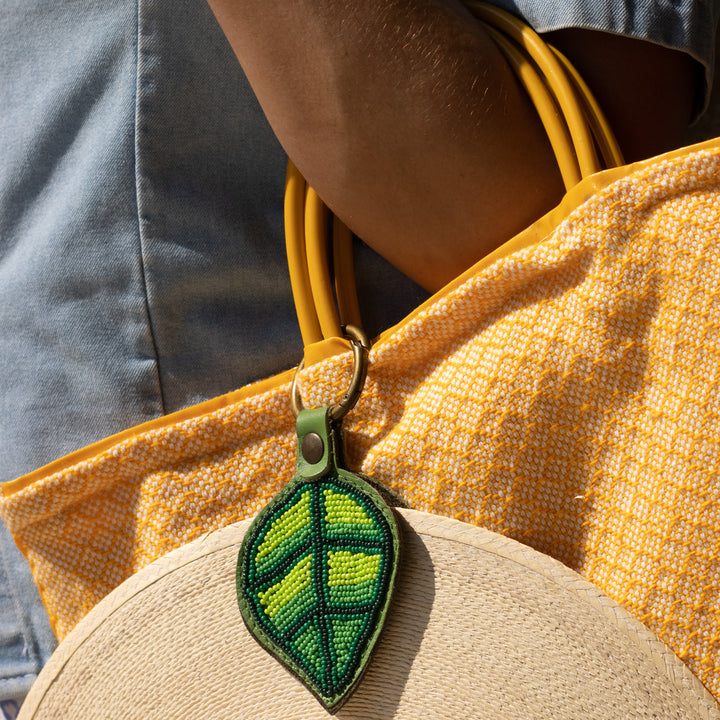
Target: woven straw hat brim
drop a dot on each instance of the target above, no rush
(481, 627)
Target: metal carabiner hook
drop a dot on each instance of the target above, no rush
(360, 346)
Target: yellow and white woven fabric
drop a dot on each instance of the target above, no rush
(564, 392)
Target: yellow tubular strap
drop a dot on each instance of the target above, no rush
(345, 288)
(557, 81)
(553, 122)
(572, 120)
(317, 255)
(297, 259)
(602, 132)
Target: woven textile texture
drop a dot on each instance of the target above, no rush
(565, 395)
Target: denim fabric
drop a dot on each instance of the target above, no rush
(26, 639)
(141, 249)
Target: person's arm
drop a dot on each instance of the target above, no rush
(408, 122)
(405, 118)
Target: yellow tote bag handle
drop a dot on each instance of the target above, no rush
(579, 134)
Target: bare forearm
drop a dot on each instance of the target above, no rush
(404, 117)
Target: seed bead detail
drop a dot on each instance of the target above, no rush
(315, 577)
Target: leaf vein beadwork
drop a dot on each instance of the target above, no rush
(316, 577)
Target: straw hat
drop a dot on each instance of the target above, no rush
(481, 627)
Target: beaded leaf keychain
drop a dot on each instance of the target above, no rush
(317, 567)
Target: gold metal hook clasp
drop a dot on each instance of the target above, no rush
(360, 346)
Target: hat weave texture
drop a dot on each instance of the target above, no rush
(482, 627)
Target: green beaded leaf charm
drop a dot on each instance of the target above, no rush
(317, 568)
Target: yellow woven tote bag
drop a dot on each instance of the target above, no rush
(562, 392)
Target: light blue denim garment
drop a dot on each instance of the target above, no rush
(26, 639)
(142, 261)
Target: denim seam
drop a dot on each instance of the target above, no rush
(141, 238)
